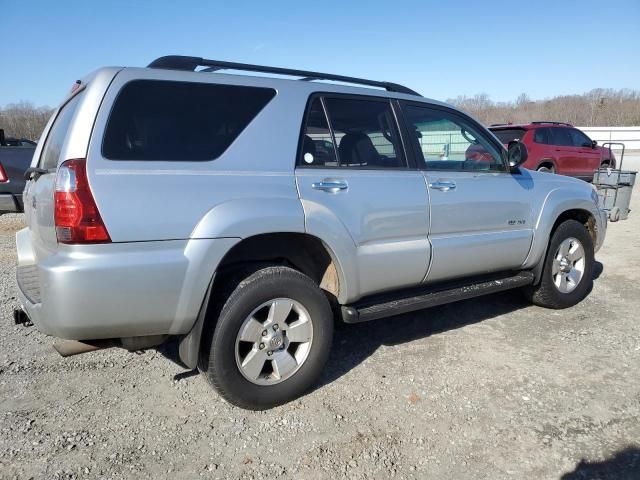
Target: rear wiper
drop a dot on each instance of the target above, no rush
(35, 172)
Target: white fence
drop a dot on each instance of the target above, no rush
(630, 136)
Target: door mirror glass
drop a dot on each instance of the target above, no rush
(594, 144)
(517, 153)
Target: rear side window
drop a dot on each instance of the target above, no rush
(507, 135)
(57, 134)
(181, 121)
(542, 136)
(561, 137)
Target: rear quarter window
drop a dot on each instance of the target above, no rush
(58, 133)
(179, 121)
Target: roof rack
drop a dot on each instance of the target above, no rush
(180, 62)
(501, 124)
(540, 122)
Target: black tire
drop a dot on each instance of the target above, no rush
(546, 294)
(261, 286)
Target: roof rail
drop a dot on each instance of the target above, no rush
(500, 124)
(540, 122)
(179, 62)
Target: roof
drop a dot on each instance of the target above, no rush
(536, 124)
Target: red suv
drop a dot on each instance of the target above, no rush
(557, 147)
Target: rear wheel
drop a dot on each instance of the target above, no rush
(567, 273)
(271, 340)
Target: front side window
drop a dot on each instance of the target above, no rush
(57, 134)
(359, 133)
(448, 142)
(181, 121)
(579, 139)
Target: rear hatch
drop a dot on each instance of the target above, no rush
(39, 191)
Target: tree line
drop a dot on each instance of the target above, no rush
(24, 120)
(599, 107)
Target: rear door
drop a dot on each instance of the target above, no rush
(481, 218)
(565, 153)
(39, 192)
(364, 186)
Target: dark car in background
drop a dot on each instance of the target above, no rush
(15, 158)
(557, 147)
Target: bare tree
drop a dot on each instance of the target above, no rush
(599, 107)
(23, 120)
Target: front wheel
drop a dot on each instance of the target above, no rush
(567, 272)
(271, 340)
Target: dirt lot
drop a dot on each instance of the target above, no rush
(486, 388)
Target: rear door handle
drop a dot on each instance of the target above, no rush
(442, 185)
(331, 185)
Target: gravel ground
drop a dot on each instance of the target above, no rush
(485, 388)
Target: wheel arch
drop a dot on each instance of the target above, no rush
(547, 161)
(301, 251)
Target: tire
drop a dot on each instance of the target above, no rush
(546, 169)
(547, 293)
(234, 356)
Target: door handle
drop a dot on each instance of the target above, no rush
(442, 185)
(331, 185)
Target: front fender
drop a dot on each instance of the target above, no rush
(555, 203)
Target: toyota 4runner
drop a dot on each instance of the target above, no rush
(242, 214)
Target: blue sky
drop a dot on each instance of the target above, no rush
(442, 49)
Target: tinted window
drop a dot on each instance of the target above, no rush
(161, 120)
(560, 136)
(57, 134)
(542, 136)
(507, 135)
(317, 143)
(448, 142)
(365, 133)
(579, 139)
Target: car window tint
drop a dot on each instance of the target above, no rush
(561, 137)
(317, 143)
(365, 133)
(58, 133)
(509, 134)
(181, 121)
(579, 139)
(541, 136)
(448, 142)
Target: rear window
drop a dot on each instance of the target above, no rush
(182, 121)
(507, 135)
(58, 132)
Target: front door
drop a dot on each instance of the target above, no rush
(359, 194)
(481, 219)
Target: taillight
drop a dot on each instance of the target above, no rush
(76, 215)
(3, 175)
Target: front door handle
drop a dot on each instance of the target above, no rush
(331, 185)
(442, 185)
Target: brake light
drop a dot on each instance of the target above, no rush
(3, 175)
(76, 214)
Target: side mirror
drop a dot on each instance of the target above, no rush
(594, 144)
(517, 153)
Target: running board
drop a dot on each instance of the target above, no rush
(389, 304)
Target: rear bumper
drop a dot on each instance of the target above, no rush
(601, 228)
(116, 290)
(10, 203)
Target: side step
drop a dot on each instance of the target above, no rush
(396, 303)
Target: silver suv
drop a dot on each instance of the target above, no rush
(242, 214)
